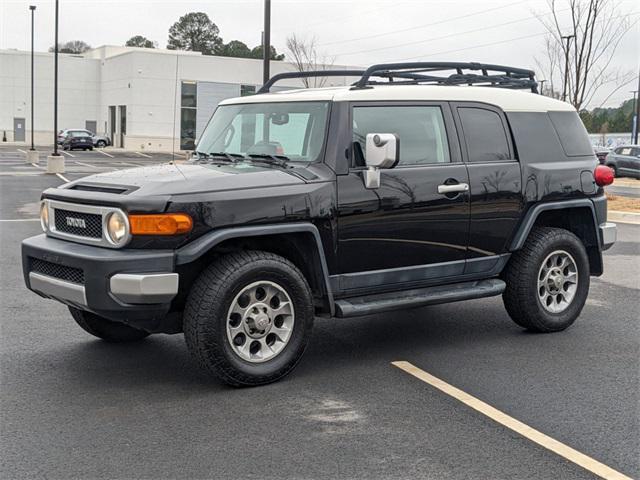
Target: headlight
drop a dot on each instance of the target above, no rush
(117, 228)
(44, 215)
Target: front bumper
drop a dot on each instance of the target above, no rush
(130, 286)
(608, 234)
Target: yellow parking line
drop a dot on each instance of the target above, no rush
(517, 426)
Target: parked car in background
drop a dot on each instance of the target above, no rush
(99, 141)
(625, 161)
(77, 139)
(601, 153)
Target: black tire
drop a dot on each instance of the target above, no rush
(615, 170)
(90, 149)
(521, 276)
(205, 316)
(114, 332)
(101, 144)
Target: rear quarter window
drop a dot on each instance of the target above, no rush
(572, 134)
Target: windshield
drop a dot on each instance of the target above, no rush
(290, 129)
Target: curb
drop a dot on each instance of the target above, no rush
(623, 217)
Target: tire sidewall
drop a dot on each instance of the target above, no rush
(214, 333)
(572, 245)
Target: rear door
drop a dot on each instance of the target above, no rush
(495, 183)
(404, 232)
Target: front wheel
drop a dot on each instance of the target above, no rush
(101, 144)
(248, 318)
(114, 332)
(547, 280)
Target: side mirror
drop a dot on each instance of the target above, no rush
(382, 151)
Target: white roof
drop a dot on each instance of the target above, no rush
(507, 100)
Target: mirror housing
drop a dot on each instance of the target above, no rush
(382, 151)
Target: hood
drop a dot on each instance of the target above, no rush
(172, 179)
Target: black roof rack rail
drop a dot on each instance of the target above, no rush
(408, 76)
(490, 75)
(310, 74)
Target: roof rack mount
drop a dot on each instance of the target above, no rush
(422, 73)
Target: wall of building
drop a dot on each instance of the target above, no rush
(146, 82)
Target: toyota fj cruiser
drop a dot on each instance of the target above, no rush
(421, 183)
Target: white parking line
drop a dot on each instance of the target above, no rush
(129, 164)
(59, 175)
(67, 153)
(86, 165)
(37, 166)
(517, 426)
(22, 151)
(105, 153)
(142, 154)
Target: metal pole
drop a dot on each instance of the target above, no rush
(266, 43)
(566, 66)
(635, 136)
(633, 115)
(55, 89)
(541, 82)
(32, 8)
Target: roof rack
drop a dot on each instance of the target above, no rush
(491, 75)
(390, 76)
(420, 73)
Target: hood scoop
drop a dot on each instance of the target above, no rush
(102, 188)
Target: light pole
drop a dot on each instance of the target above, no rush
(637, 122)
(32, 154)
(634, 120)
(566, 65)
(266, 41)
(55, 161)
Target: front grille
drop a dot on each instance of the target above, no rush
(78, 223)
(62, 272)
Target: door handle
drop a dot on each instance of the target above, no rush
(458, 187)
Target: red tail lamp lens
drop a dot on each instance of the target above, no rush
(603, 175)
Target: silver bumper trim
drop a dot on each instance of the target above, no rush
(608, 234)
(58, 289)
(144, 287)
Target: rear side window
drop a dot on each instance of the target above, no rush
(573, 136)
(484, 134)
(423, 138)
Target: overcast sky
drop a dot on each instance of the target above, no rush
(355, 32)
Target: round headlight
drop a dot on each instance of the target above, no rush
(117, 228)
(44, 216)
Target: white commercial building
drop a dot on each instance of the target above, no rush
(143, 99)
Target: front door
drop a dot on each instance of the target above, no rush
(18, 130)
(405, 232)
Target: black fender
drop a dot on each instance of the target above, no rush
(199, 247)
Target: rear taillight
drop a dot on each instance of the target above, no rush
(603, 175)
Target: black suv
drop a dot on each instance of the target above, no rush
(410, 187)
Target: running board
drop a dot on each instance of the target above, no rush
(368, 304)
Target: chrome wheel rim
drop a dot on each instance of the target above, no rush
(557, 281)
(260, 321)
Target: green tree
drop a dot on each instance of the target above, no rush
(140, 41)
(195, 31)
(74, 46)
(256, 52)
(236, 48)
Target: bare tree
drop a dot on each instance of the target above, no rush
(598, 27)
(304, 55)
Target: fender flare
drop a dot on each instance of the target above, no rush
(194, 250)
(531, 216)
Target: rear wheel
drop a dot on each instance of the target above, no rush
(107, 330)
(547, 280)
(249, 317)
(101, 144)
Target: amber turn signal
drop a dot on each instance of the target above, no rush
(160, 224)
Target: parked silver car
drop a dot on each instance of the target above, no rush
(625, 161)
(99, 141)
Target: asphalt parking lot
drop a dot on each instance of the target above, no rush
(74, 407)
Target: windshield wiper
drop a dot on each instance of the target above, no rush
(280, 160)
(229, 157)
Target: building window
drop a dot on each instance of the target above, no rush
(188, 108)
(246, 90)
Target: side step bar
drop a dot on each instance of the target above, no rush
(368, 304)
